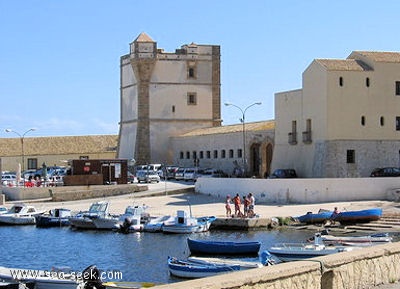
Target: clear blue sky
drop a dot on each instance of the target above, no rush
(59, 59)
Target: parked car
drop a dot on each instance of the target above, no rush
(283, 174)
(9, 179)
(179, 174)
(170, 172)
(386, 172)
(214, 173)
(147, 176)
(190, 174)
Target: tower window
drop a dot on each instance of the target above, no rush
(351, 156)
(191, 72)
(397, 87)
(382, 121)
(397, 123)
(191, 98)
(173, 108)
(341, 81)
(367, 81)
(363, 120)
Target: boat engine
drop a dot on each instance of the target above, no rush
(91, 277)
(124, 228)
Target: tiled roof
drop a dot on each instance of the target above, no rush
(342, 65)
(380, 56)
(143, 37)
(250, 126)
(59, 145)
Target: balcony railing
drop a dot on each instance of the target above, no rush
(307, 137)
(292, 138)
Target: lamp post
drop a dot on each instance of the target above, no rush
(243, 119)
(21, 136)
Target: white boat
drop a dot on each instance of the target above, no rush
(132, 220)
(300, 251)
(156, 224)
(84, 220)
(3, 210)
(376, 238)
(20, 214)
(183, 223)
(41, 279)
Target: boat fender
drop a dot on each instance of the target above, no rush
(274, 222)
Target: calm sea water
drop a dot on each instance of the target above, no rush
(139, 256)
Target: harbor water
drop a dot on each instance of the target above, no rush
(140, 257)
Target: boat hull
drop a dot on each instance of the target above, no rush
(6, 219)
(367, 215)
(184, 269)
(224, 248)
(201, 225)
(47, 222)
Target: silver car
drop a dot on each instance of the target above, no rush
(147, 176)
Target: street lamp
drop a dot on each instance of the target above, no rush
(243, 119)
(21, 136)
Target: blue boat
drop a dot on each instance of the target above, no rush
(188, 269)
(54, 218)
(223, 247)
(322, 216)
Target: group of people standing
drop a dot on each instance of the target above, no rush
(248, 206)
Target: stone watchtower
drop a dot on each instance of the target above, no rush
(164, 95)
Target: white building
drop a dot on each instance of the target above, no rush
(345, 121)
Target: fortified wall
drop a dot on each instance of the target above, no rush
(358, 269)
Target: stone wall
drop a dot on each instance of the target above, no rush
(363, 268)
(303, 191)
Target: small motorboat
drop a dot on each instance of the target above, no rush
(185, 224)
(188, 269)
(132, 220)
(223, 247)
(156, 224)
(84, 220)
(54, 218)
(20, 214)
(300, 251)
(3, 210)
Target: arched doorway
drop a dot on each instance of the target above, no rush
(255, 160)
(267, 160)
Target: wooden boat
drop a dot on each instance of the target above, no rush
(20, 214)
(84, 220)
(188, 224)
(375, 238)
(156, 224)
(187, 269)
(54, 218)
(300, 251)
(243, 263)
(322, 216)
(223, 247)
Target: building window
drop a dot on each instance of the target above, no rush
(351, 156)
(194, 155)
(201, 154)
(181, 155)
(191, 72)
(223, 154)
(191, 98)
(382, 121)
(363, 120)
(239, 153)
(341, 81)
(188, 155)
(307, 134)
(397, 87)
(215, 154)
(32, 164)
(367, 81)
(293, 135)
(397, 123)
(230, 154)
(208, 154)
(173, 108)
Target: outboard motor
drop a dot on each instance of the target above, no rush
(91, 277)
(266, 258)
(125, 226)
